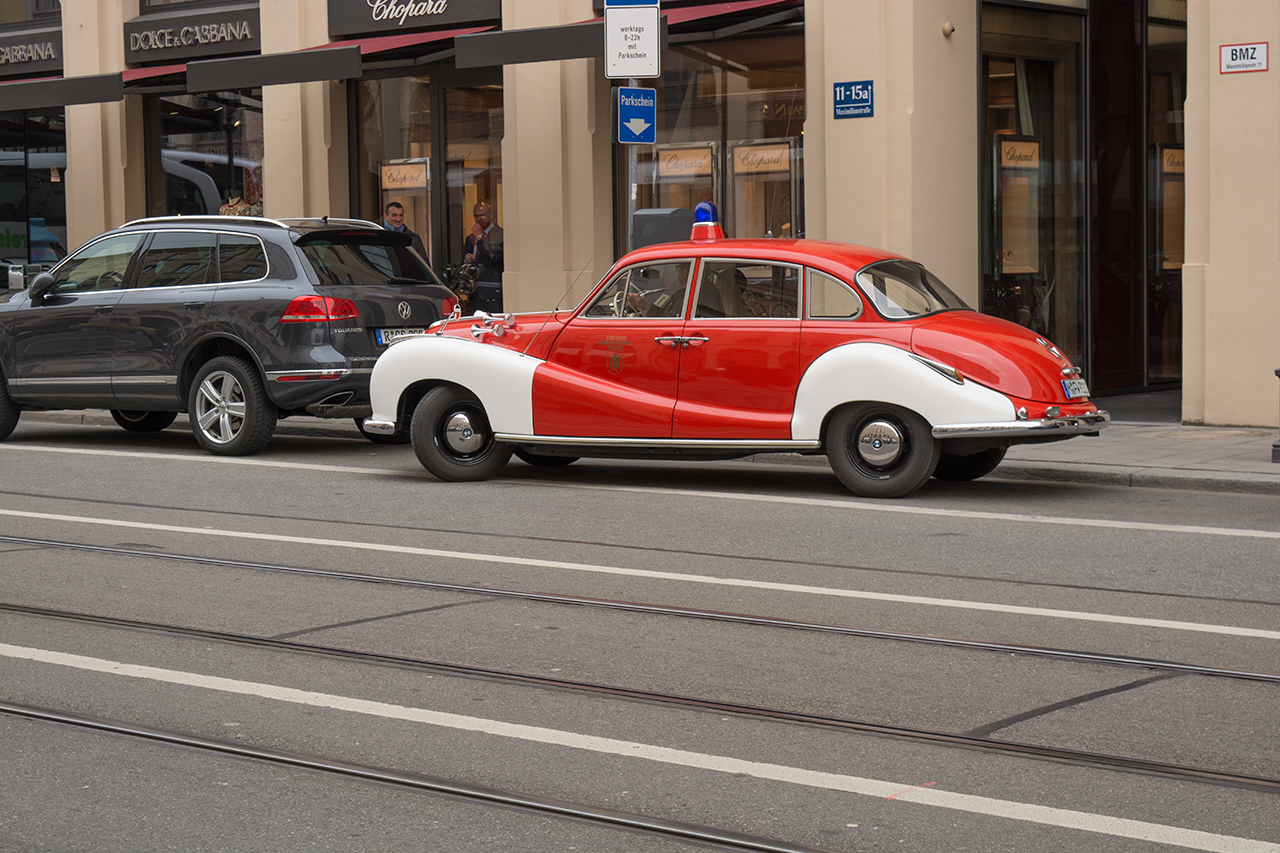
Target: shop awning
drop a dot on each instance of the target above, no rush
(61, 91)
(585, 39)
(382, 44)
(273, 69)
(147, 72)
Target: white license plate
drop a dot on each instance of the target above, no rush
(1075, 388)
(386, 336)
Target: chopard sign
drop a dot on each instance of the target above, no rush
(350, 17)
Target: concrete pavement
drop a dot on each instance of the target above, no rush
(1145, 445)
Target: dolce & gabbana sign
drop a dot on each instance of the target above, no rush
(363, 17)
(182, 36)
(31, 52)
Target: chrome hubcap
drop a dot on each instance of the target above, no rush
(879, 443)
(461, 435)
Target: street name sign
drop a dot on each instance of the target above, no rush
(1234, 58)
(632, 41)
(637, 111)
(855, 99)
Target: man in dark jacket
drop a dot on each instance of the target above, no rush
(393, 220)
(483, 247)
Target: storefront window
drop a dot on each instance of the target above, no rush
(31, 10)
(395, 151)
(730, 119)
(204, 153)
(1033, 173)
(33, 200)
(1166, 92)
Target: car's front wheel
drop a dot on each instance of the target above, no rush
(881, 451)
(229, 409)
(971, 467)
(452, 437)
(9, 411)
(142, 421)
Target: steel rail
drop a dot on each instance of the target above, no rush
(685, 612)
(724, 839)
(713, 705)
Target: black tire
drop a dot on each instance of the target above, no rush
(9, 411)
(881, 451)
(400, 436)
(229, 410)
(142, 421)
(543, 460)
(452, 438)
(960, 468)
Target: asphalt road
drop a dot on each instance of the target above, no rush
(317, 547)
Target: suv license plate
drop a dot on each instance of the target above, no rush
(386, 336)
(1075, 388)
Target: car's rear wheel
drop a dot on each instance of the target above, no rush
(971, 467)
(400, 436)
(881, 451)
(544, 460)
(9, 411)
(452, 437)
(141, 421)
(229, 409)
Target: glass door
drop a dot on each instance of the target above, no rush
(1166, 92)
(473, 188)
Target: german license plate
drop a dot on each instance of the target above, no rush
(386, 336)
(1075, 388)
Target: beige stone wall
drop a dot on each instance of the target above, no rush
(556, 162)
(896, 180)
(105, 169)
(1231, 280)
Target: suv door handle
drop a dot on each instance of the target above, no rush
(193, 306)
(104, 309)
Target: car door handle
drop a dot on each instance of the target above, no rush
(695, 340)
(669, 340)
(104, 309)
(193, 306)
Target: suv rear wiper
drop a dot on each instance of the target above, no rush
(399, 279)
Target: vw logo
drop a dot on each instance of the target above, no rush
(404, 310)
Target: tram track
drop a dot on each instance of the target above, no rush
(1076, 656)
(544, 806)
(716, 706)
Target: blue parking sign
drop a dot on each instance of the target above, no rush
(855, 100)
(637, 115)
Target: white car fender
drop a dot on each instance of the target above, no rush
(887, 374)
(501, 379)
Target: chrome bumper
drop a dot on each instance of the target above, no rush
(1063, 427)
(380, 427)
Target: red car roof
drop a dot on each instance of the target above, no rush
(847, 257)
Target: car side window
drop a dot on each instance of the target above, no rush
(241, 258)
(177, 258)
(648, 290)
(832, 299)
(101, 266)
(748, 289)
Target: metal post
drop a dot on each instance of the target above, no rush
(1275, 445)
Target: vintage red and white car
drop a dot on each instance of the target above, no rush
(721, 348)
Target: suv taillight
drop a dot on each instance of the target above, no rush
(313, 309)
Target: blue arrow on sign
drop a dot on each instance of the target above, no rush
(637, 115)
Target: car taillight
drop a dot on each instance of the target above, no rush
(313, 309)
(450, 303)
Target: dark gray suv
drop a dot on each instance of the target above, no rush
(238, 321)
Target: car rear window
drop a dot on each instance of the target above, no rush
(364, 260)
(904, 289)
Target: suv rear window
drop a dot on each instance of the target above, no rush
(364, 259)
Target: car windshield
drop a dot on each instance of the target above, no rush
(904, 289)
(363, 259)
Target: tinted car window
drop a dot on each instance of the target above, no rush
(101, 266)
(240, 258)
(177, 258)
(361, 260)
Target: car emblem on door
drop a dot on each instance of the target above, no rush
(404, 310)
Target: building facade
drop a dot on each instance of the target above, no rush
(1102, 171)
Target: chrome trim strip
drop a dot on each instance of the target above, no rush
(275, 375)
(1063, 426)
(36, 382)
(147, 380)
(778, 444)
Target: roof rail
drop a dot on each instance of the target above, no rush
(208, 219)
(328, 220)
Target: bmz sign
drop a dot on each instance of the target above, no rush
(1235, 58)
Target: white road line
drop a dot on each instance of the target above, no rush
(830, 503)
(669, 576)
(928, 796)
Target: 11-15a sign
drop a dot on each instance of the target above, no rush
(855, 99)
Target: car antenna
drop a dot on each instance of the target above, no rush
(569, 290)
